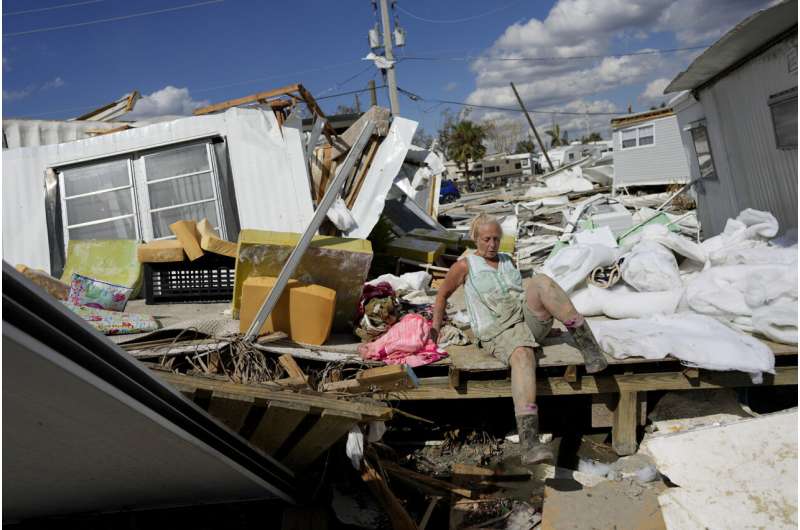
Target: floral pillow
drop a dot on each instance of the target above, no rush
(89, 292)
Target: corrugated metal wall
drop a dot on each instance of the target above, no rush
(753, 173)
(661, 163)
(27, 133)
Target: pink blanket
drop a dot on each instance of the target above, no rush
(407, 342)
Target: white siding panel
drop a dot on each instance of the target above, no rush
(757, 174)
(664, 162)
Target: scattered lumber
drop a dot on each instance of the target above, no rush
(397, 513)
(425, 482)
(384, 378)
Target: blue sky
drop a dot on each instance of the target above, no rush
(227, 49)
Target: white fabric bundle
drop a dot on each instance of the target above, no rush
(621, 301)
(572, 264)
(651, 267)
(696, 340)
(750, 229)
(737, 293)
(406, 283)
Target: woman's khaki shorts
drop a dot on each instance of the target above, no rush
(528, 333)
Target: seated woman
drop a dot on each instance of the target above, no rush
(509, 322)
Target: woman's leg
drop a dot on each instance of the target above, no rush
(546, 299)
(523, 393)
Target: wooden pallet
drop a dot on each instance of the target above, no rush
(294, 428)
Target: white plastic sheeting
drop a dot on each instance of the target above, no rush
(420, 179)
(380, 176)
(405, 283)
(696, 340)
(271, 194)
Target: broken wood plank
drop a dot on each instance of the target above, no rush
(623, 431)
(278, 423)
(470, 472)
(350, 385)
(230, 409)
(398, 515)
(571, 374)
(316, 400)
(603, 406)
(330, 427)
(282, 91)
(439, 387)
(290, 365)
(361, 173)
(392, 374)
(428, 512)
(433, 483)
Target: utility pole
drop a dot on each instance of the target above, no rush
(391, 78)
(373, 95)
(530, 122)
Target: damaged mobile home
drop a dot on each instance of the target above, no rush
(237, 306)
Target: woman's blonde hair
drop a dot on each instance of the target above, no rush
(482, 220)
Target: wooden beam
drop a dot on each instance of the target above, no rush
(398, 516)
(623, 432)
(317, 401)
(330, 427)
(278, 423)
(361, 174)
(282, 91)
(290, 365)
(433, 483)
(312, 104)
(230, 409)
(439, 387)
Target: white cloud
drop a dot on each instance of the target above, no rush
(53, 83)
(16, 95)
(449, 87)
(169, 101)
(654, 91)
(592, 28)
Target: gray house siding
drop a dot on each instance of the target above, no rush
(751, 171)
(663, 162)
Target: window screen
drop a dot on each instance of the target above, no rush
(783, 107)
(702, 149)
(98, 201)
(180, 185)
(628, 138)
(646, 135)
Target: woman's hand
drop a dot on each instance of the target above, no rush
(434, 335)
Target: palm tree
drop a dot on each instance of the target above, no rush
(465, 143)
(555, 135)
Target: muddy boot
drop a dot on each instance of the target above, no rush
(532, 451)
(593, 356)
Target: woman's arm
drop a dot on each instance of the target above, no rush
(453, 280)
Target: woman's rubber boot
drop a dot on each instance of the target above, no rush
(593, 356)
(532, 451)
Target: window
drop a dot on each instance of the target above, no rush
(518, 165)
(139, 196)
(638, 136)
(572, 156)
(702, 149)
(628, 138)
(783, 107)
(491, 169)
(646, 135)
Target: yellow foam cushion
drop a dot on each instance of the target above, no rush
(304, 312)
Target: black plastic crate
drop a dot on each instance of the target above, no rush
(209, 278)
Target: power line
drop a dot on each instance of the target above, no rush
(417, 97)
(456, 20)
(95, 106)
(557, 58)
(112, 19)
(40, 9)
